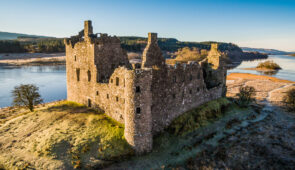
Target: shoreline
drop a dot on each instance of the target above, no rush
(262, 69)
(267, 88)
(249, 76)
(32, 59)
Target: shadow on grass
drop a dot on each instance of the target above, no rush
(73, 107)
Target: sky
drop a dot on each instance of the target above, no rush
(247, 23)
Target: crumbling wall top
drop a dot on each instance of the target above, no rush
(152, 38)
(88, 29)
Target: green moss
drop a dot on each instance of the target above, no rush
(193, 119)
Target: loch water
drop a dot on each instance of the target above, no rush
(287, 63)
(51, 80)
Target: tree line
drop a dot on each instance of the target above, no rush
(132, 44)
(36, 46)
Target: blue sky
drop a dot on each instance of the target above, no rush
(259, 23)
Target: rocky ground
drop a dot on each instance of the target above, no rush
(266, 144)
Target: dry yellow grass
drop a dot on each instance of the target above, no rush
(63, 135)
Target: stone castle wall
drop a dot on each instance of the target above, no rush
(146, 98)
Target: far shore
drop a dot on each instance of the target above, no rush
(261, 69)
(31, 59)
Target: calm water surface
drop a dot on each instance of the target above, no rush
(287, 64)
(51, 81)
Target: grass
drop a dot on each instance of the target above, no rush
(172, 149)
(67, 134)
(196, 118)
(269, 65)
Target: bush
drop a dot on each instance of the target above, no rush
(289, 99)
(246, 95)
(269, 65)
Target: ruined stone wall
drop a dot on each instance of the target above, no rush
(176, 90)
(146, 99)
(108, 56)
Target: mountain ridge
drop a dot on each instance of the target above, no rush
(13, 36)
(266, 51)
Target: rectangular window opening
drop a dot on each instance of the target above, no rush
(174, 96)
(89, 103)
(78, 74)
(117, 81)
(89, 75)
(117, 98)
(137, 90)
(138, 110)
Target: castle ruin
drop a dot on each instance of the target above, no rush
(144, 97)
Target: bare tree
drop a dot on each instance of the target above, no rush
(26, 95)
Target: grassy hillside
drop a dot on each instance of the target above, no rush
(13, 36)
(64, 135)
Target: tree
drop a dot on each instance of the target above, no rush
(26, 95)
(246, 95)
(289, 99)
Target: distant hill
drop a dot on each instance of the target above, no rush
(266, 51)
(14, 36)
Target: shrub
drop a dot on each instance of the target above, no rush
(269, 65)
(289, 99)
(246, 95)
(26, 95)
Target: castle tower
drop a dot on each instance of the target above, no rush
(138, 116)
(214, 56)
(152, 54)
(88, 30)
